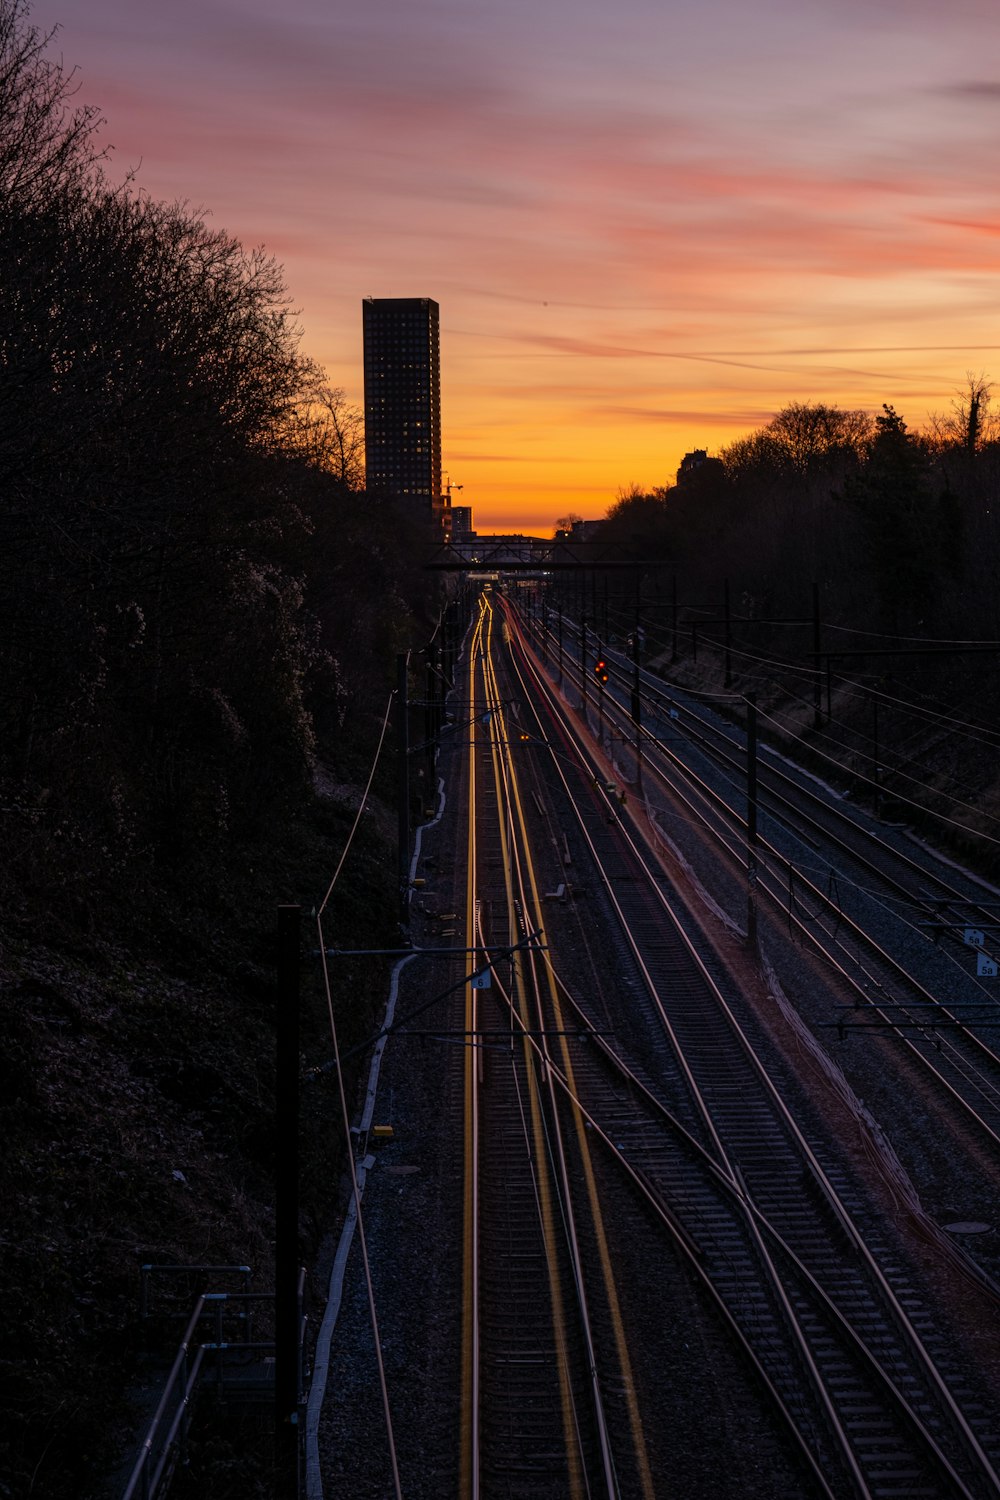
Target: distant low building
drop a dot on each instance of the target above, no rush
(697, 466)
(580, 531)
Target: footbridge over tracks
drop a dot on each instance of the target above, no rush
(528, 554)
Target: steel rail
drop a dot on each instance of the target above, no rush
(707, 730)
(722, 1156)
(541, 1190)
(531, 899)
(903, 1322)
(684, 1242)
(469, 1455)
(520, 872)
(980, 1083)
(769, 772)
(735, 1191)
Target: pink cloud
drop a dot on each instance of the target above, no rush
(649, 213)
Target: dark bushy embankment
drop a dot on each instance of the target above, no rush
(879, 546)
(198, 625)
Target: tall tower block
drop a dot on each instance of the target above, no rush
(403, 398)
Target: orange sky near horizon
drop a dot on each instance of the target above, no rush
(647, 231)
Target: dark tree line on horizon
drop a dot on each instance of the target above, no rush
(899, 529)
(857, 563)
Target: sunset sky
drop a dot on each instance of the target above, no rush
(649, 225)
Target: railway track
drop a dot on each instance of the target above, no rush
(533, 1385)
(698, 1119)
(798, 803)
(851, 893)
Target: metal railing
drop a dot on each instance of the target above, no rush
(151, 1272)
(196, 1357)
(167, 1432)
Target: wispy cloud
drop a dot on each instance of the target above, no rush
(646, 227)
(743, 418)
(974, 88)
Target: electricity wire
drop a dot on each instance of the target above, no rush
(899, 797)
(345, 1115)
(361, 806)
(899, 760)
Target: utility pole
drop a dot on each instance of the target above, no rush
(636, 700)
(817, 687)
(403, 794)
(583, 661)
(751, 702)
(286, 1204)
(430, 728)
(876, 768)
(728, 638)
(673, 608)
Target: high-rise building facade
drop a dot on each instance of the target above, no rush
(402, 398)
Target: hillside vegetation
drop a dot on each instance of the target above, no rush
(199, 618)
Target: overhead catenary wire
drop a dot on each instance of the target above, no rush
(845, 770)
(824, 871)
(804, 868)
(915, 640)
(345, 1114)
(899, 797)
(811, 671)
(940, 716)
(361, 807)
(899, 760)
(834, 903)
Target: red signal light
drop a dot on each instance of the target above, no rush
(601, 670)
